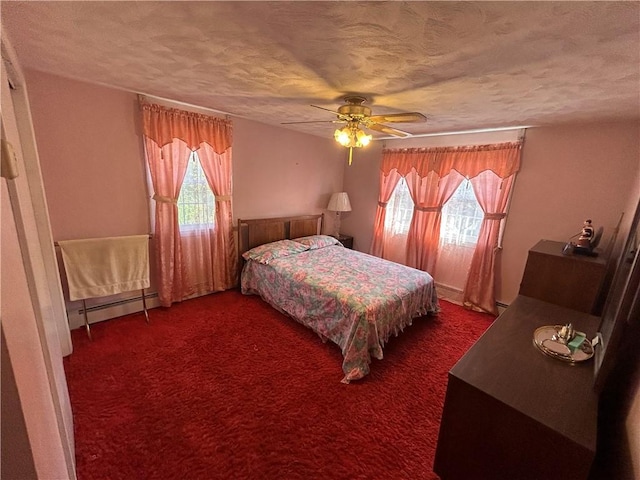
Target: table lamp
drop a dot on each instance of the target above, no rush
(339, 202)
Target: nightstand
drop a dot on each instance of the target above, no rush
(345, 240)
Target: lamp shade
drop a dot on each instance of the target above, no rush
(339, 202)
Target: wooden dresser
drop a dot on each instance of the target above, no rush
(511, 411)
(572, 281)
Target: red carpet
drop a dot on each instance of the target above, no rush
(225, 387)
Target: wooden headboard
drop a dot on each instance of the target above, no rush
(259, 231)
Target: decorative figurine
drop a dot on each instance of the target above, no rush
(565, 334)
(586, 236)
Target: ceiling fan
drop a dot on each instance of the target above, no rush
(355, 114)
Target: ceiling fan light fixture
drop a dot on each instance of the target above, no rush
(354, 114)
(343, 136)
(352, 137)
(363, 138)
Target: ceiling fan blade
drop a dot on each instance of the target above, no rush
(341, 116)
(399, 117)
(328, 110)
(384, 129)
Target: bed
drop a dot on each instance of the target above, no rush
(353, 299)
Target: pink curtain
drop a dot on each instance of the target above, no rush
(429, 194)
(388, 183)
(433, 174)
(468, 161)
(167, 165)
(223, 261)
(492, 193)
(170, 135)
(164, 125)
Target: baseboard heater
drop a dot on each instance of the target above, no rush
(116, 303)
(455, 295)
(114, 306)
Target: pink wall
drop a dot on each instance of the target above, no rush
(281, 172)
(568, 174)
(93, 163)
(93, 168)
(361, 182)
(91, 158)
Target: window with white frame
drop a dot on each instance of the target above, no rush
(461, 217)
(461, 214)
(196, 203)
(399, 210)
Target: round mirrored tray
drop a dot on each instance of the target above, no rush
(549, 342)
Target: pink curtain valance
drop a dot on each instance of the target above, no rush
(503, 159)
(163, 124)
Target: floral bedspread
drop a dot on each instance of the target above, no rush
(353, 299)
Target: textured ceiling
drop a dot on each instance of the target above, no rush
(465, 65)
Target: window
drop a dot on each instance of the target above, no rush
(461, 217)
(399, 210)
(196, 203)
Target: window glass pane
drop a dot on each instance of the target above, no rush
(461, 217)
(399, 210)
(196, 203)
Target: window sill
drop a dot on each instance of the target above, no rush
(194, 231)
